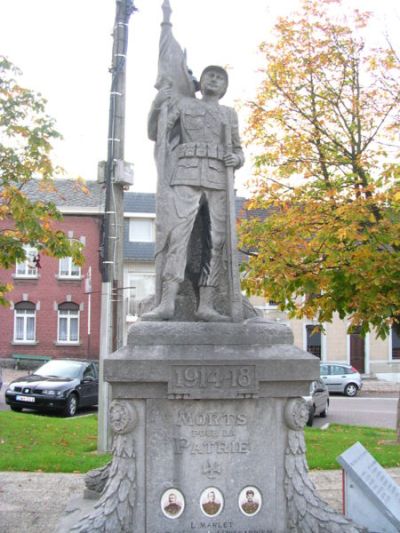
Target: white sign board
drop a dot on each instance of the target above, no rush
(371, 497)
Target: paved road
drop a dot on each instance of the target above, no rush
(376, 411)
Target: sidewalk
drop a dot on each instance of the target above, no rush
(380, 386)
(34, 502)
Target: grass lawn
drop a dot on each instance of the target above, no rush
(37, 443)
(324, 446)
(33, 442)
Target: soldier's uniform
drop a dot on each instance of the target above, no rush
(200, 170)
(250, 507)
(172, 509)
(211, 508)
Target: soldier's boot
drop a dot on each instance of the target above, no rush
(206, 311)
(166, 308)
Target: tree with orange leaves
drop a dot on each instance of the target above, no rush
(326, 121)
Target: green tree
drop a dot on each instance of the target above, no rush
(326, 123)
(26, 133)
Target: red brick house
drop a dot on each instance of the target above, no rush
(55, 309)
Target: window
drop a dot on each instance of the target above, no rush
(314, 339)
(90, 372)
(324, 370)
(28, 268)
(337, 370)
(141, 285)
(68, 269)
(24, 322)
(141, 230)
(68, 322)
(396, 342)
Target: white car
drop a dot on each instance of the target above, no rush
(317, 401)
(340, 377)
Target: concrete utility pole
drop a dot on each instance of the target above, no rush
(117, 175)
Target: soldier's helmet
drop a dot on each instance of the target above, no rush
(221, 70)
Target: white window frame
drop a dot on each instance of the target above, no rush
(24, 269)
(133, 237)
(69, 315)
(25, 315)
(70, 267)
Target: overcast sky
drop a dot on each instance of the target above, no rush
(64, 50)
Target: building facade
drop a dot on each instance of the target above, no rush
(55, 306)
(332, 343)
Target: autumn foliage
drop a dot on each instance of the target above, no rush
(26, 134)
(325, 123)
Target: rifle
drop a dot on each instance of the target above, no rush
(231, 242)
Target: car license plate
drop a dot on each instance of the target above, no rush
(25, 399)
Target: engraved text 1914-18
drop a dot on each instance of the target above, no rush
(200, 380)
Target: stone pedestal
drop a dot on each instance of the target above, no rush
(207, 422)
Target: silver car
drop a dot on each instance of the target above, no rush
(340, 377)
(317, 401)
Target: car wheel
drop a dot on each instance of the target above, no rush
(324, 413)
(72, 405)
(351, 389)
(311, 417)
(15, 408)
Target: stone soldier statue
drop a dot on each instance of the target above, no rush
(199, 175)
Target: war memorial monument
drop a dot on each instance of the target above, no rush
(206, 412)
